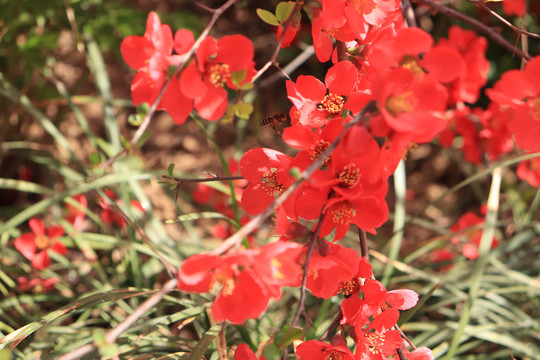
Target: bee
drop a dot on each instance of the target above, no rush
(274, 121)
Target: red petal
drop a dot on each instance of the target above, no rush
(136, 51)
(236, 51)
(247, 300)
(183, 41)
(341, 78)
(243, 352)
(37, 226)
(443, 63)
(213, 105)
(41, 260)
(26, 244)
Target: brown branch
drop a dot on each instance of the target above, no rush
(114, 333)
(503, 20)
(362, 238)
(315, 238)
(478, 25)
(408, 13)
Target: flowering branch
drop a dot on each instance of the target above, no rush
(237, 237)
(185, 58)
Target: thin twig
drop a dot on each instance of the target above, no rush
(245, 230)
(503, 20)
(305, 266)
(115, 332)
(478, 25)
(180, 181)
(408, 13)
(364, 250)
(278, 46)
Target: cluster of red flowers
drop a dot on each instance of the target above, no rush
(412, 90)
(37, 244)
(201, 85)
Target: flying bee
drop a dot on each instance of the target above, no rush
(274, 121)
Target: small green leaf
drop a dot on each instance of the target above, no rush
(170, 170)
(295, 173)
(246, 86)
(135, 120)
(243, 110)
(267, 17)
(238, 77)
(143, 109)
(95, 158)
(125, 142)
(284, 10)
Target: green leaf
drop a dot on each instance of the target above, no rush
(95, 158)
(135, 119)
(170, 170)
(284, 10)
(267, 17)
(243, 110)
(289, 336)
(271, 352)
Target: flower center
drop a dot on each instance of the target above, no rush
(411, 63)
(332, 103)
(42, 242)
(375, 341)
(276, 264)
(343, 213)
(401, 103)
(534, 105)
(221, 283)
(363, 6)
(348, 288)
(334, 355)
(318, 148)
(273, 187)
(350, 176)
(219, 74)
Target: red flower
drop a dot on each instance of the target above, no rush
(469, 228)
(245, 279)
(514, 7)
(267, 171)
(35, 246)
(138, 51)
(75, 215)
(472, 48)
(519, 90)
(152, 55)
(227, 61)
(318, 102)
(37, 285)
(529, 170)
(329, 267)
(317, 350)
(376, 344)
(410, 111)
(109, 215)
